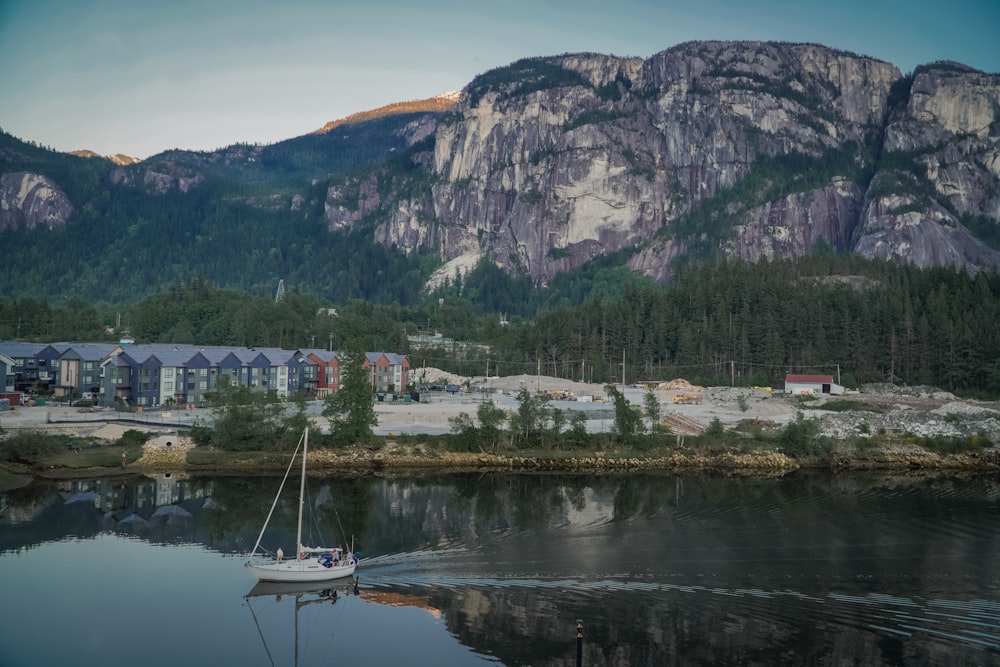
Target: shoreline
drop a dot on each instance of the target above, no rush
(897, 411)
(159, 460)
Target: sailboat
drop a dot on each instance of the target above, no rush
(309, 563)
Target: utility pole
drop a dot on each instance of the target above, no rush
(623, 369)
(838, 373)
(732, 373)
(538, 375)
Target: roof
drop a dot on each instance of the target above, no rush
(808, 379)
(89, 351)
(21, 350)
(325, 356)
(393, 358)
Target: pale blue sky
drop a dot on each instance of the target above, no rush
(142, 76)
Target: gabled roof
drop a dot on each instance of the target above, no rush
(175, 358)
(807, 379)
(323, 355)
(116, 360)
(276, 355)
(19, 349)
(89, 351)
(218, 354)
(393, 358)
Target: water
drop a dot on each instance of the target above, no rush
(496, 569)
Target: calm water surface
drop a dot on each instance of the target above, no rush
(495, 569)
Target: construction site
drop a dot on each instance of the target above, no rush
(685, 409)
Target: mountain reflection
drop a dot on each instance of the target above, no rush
(663, 569)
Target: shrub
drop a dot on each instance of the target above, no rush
(846, 405)
(801, 437)
(715, 428)
(31, 446)
(942, 444)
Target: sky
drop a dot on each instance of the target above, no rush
(142, 76)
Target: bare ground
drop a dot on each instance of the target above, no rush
(921, 411)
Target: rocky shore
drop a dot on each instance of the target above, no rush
(901, 414)
(399, 458)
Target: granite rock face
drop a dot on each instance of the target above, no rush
(942, 175)
(31, 200)
(752, 149)
(746, 149)
(159, 177)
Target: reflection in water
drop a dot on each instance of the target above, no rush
(302, 595)
(807, 569)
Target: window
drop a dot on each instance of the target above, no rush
(168, 385)
(168, 373)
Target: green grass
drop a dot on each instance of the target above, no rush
(102, 456)
(847, 405)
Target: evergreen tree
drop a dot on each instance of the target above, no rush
(651, 403)
(350, 410)
(628, 420)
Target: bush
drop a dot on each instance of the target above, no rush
(800, 437)
(847, 405)
(942, 444)
(133, 437)
(30, 446)
(715, 428)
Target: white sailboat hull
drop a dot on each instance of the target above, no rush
(292, 571)
(312, 563)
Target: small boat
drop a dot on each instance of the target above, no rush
(309, 564)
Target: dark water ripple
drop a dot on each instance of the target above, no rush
(975, 622)
(901, 561)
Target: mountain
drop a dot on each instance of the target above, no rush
(118, 158)
(738, 149)
(746, 149)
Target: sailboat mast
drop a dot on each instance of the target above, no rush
(302, 491)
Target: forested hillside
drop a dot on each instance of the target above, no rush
(740, 149)
(869, 321)
(243, 225)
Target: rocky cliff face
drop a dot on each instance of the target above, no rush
(942, 172)
(158, 177)
(752, 149)
(31, 200)
(745, 149)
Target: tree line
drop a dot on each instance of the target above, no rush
(723, 322)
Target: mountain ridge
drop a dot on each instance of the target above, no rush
(748, 150)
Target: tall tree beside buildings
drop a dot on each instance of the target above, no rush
(351, 410)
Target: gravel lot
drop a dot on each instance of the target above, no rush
(921, 411)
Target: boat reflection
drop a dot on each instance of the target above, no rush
(313, 591)
(304, 595)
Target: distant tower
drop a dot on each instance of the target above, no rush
(280, 294)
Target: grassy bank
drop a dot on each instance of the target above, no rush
(747, 449)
